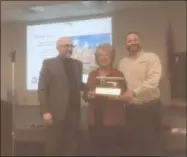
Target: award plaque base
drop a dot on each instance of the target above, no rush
(108, 91)
(109, 86)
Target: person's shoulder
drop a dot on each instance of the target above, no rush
(49, 60)
(79, 63)
(123, 60)
(150, 55)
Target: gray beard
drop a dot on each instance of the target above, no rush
(68, 55)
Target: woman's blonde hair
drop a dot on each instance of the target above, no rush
(107, 48)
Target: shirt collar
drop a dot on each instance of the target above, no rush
(137, 54)
(64, 57)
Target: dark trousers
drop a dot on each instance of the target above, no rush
(105, 140)
(62, 139)
(143, 129)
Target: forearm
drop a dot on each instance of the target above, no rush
(146, 87)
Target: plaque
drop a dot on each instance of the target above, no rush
(109, 86)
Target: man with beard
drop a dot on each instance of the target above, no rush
(142, 71)
(59, 96)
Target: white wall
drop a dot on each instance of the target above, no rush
(151, 23)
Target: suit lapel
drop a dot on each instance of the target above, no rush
(61, 69)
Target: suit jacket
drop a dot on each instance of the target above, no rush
(53, 87)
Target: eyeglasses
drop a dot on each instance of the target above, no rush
(67, 46)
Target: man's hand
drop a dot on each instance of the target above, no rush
(126, 96)
(47, 117)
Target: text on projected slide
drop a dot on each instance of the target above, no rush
(86, 35)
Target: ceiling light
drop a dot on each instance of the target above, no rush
(87, 3)
(108, 2)
(37, 9)
(94, 3)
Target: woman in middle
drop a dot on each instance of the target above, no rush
(106, 116)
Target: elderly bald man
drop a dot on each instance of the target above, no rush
(59, 96)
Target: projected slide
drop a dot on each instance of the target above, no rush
(86, 35)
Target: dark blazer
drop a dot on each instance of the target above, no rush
(53, 88)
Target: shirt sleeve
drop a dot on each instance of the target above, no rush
(89, 85)
(153, 76)
(124, 83)
(44, 80)
(119, 66)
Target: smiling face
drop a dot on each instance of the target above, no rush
(64, 46)
(103, 58)
(132, 43)
(105, 55)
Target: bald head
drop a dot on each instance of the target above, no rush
(64, 46)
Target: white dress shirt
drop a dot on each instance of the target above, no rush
(142, 73)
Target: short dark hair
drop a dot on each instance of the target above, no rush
(132, 32)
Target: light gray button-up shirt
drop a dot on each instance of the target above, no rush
(143, 74)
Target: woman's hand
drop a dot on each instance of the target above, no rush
(91, 94)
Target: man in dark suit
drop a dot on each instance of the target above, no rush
(59, 96)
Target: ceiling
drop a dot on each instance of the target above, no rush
(45, 10)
